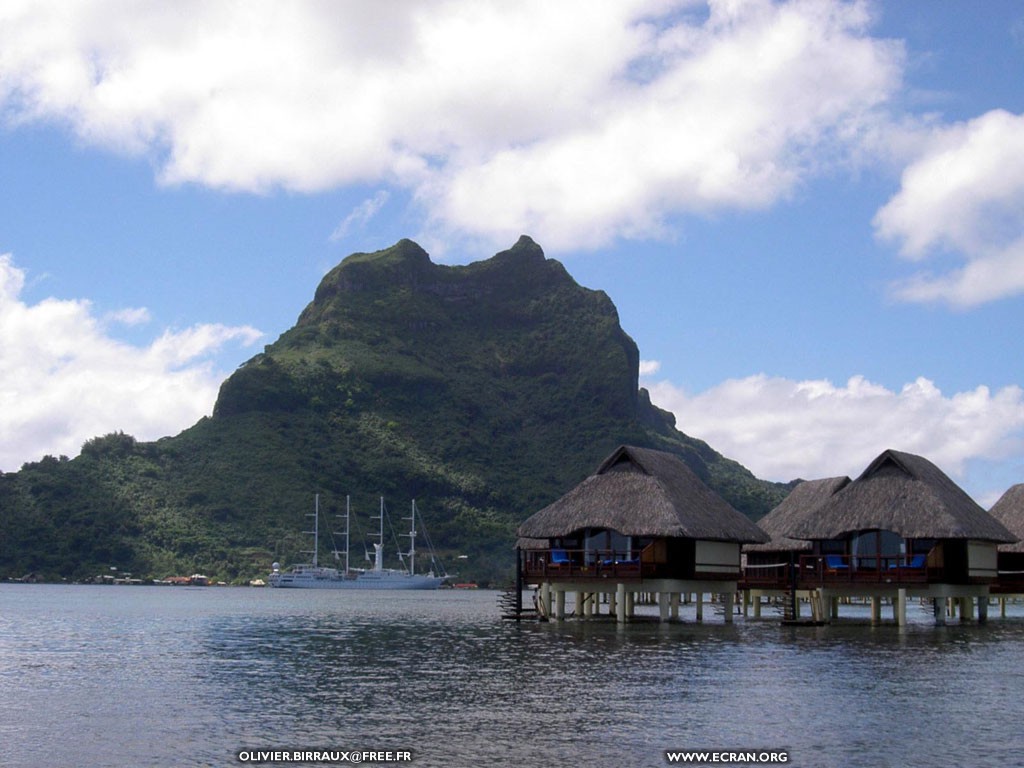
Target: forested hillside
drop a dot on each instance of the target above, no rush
(482, 391)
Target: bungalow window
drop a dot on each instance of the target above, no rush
(922, 546)
(605, 544)
(877, 549)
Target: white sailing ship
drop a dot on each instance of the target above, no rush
(312, 575)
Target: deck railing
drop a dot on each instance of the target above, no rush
(825, 570)
(1010, 582)
(582, 563)
(624, 565)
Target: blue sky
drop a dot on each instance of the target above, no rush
(810, 215)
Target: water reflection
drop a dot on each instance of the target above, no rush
(158, 677)
(475, 688)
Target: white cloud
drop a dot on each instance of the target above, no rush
(578, 122)
(360, 215)
(783, 429)
(64, 381)
(964, 195)
(730, 120)
(649, 367)
(130, 316)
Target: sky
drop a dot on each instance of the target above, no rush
(809, 214)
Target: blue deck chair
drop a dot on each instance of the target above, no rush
(917, 561)
(835, 563)
(559, 557)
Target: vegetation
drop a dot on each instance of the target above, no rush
(482, 391)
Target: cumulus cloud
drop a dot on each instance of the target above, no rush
(64, 380)
(579, 122)
(783, 429)
(964, 195)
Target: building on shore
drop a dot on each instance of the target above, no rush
(902, 529)
(642, 524)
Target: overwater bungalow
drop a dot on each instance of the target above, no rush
(902, 528)
(768, 567)
(643, 523)
(1009, 510)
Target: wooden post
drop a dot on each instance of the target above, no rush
(901, 607)
(520, 565)
(727, 600)
(663, 606)
(876, 609)
(620, 603)
(816, 605)
(982, 609)
(966, 609)
(939, 611)
(560, 604)
(674, 606)
(700, 606)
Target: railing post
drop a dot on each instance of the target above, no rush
(520, 565)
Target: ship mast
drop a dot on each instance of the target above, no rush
(346, 534)
(316, 530)
(412, 539)
(378, 546)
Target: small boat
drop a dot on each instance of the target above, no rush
(312, 575)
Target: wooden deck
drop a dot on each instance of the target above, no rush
(600, 565)
(835, 571)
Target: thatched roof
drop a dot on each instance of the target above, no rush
(908, 495)
(1009, 511)
(643, 492)
(803, 501)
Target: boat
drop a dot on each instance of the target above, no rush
(312, 575)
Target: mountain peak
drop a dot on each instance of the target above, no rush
(525, 249)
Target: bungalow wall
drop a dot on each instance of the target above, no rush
(718, 558)
(1011, 573)
(691, 558)
(982, 561)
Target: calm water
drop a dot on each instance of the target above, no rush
(151, 676)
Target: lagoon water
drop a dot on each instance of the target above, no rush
(167, 676)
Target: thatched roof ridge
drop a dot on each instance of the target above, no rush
(1009, 511)
(643, 492)
(803, 501)
(906, 494)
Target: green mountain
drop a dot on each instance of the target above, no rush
(482, 391)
